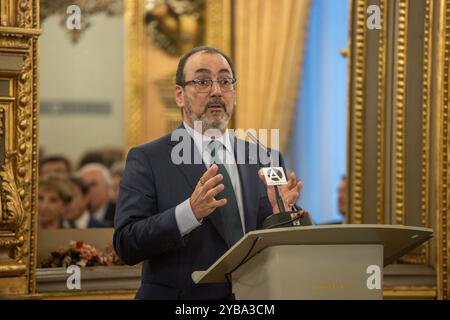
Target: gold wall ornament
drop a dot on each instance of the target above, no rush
(88, 8)
(422, 255)
(400, 113)
(18, 13)
(413, 114)
(412, 133)
(381, 112)
(356, 107)
(219, 26)
(409, 292)
(19, 147)
(442, 160)
(12, 212)
(26, 13)
(134, 81)
(175, 26)
(7, 13)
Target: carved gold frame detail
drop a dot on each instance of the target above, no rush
(19, 31)
(394, 83)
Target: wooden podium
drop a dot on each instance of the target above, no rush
(314, 262)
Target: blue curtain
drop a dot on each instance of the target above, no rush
(317, 149)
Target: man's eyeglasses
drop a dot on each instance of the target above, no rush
(205, 85)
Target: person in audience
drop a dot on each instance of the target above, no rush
(77, 214)
(342, 198)
(55, 194)
(117, 170)
(99, 181)
(112, 155)
(106, 156)
(92, 156)
(55, 164)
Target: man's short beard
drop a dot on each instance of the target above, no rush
(219, 124)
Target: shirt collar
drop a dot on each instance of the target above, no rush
(202, 141)
(83, 221)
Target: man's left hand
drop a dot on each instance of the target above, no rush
(289, 192)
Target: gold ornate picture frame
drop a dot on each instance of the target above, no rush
(19, 31)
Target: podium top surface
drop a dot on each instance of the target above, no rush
(396, 239)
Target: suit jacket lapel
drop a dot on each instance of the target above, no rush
(192, 172)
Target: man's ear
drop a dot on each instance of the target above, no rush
(179, 96)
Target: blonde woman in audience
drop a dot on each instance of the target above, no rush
(55, 194)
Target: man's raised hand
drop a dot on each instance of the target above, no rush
(202, 200)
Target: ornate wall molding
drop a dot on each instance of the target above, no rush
(426, 124)
(357, 110)
(381, 112)
(412, 136)
(18, 170)
(400, 111)
(26, 16)
(409, 292)
(442, 160)
(421, 109)
(134, 73)
(218, 22)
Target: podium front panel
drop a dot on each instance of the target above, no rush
(325, 272)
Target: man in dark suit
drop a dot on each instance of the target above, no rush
(76, 215)
(99, 181)
(187, 197)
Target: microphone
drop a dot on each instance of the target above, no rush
(275, 176)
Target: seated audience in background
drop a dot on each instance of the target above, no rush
(55, 194)
(77, 215)
(99, 182)
(91, 156)
(342, 198)
(112, 155)
(106, 156)
(55, 164)
(117, 170)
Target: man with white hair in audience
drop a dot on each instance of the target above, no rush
(99, 181)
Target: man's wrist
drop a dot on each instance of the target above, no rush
(197, 216)
(185, 217)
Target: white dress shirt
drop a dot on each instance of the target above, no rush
(99, 215)
(81, 223)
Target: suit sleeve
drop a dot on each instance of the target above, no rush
(142, 232)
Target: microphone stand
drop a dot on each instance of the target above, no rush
(283, 218)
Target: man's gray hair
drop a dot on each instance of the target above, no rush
(99, 168)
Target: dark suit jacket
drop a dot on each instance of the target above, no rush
(94, 223)
(146, 228)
